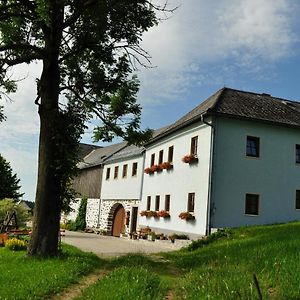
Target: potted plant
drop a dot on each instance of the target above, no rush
(152, 213)
(190, 158)
(148, 171)
(186, 216)
(166, 165)
(163, 214)
(144, 213)
(155, 168)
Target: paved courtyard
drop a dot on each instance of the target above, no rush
(113, 246)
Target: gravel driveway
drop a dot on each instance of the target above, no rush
(113, 246)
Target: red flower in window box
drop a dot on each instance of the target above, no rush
(144, 213)
(152, 213)
(190, 158)
(163, 214)
(186, 216)
(148, 171)
(166, 165)
(156, 168)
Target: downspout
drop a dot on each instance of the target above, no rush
(142, 185)
(212, 142)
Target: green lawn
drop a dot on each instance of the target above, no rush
(223, 269)
(23, 278)
(226, 268)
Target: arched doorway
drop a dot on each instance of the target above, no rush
(118, 221)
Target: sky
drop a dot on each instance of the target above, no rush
(250, 45)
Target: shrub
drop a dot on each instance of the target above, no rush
(16, 244)
(221, 233)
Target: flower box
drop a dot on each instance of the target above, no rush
(155, 168)
(166, 165)
(190, 158)
(148, 171)
(186, 216)
(163, 214)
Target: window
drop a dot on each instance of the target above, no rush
(298, 199)
(194, 145)
(134, 169)
(152, 159)
(161, 157)
(191, 202)
(167, 202)
(148, 203)
(116, 172)
(124, 173)
(252, 148)
(157, 200)
(297, 154)
(170, 154)
(251, 205)
(107, 173)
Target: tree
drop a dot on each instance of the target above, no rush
(9, 183)
(10, 205)
(88, 49)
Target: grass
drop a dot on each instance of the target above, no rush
(239, 265)
(23, 278)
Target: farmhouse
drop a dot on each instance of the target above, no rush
(232, 161)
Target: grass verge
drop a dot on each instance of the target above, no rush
(24, 278)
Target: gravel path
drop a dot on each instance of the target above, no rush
(113, 246)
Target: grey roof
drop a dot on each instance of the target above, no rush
(131, 151)
(85, 149)
(241, 104)
(97, 156)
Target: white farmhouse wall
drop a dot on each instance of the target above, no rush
(71, 216)
(179, 181)
(123, 188)
(274, 176)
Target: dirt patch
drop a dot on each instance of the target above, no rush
(76, 289)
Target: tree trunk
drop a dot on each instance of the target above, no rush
(44, 238)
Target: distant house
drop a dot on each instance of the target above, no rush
(232, 161)
(235, 162)
(89, 181)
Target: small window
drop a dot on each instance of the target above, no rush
(194, 145)
(252, 148)
(251, 205)
(116, 172)
(297, 154)
(107, 173)
(157, 200)
(152, 159)
(170, 154)
(161, 157)
(148, 202)
(124, 173)
(134, 169)
(191, 202)
(298, 199)
(167, 202)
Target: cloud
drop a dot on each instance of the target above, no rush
(246, 35)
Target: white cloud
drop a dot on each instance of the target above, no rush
(202, 33)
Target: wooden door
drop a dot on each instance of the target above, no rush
(134, 219)
(118, 221)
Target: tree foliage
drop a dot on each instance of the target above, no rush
(10, 205)
(9, 183)
(88, 50)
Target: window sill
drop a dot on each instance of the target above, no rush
(250, 215)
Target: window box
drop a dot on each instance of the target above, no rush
(186, 216)
(148, 213)
(166, 165)
(148, 171)
(190, 158)
(156, 168)
(163, 214)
